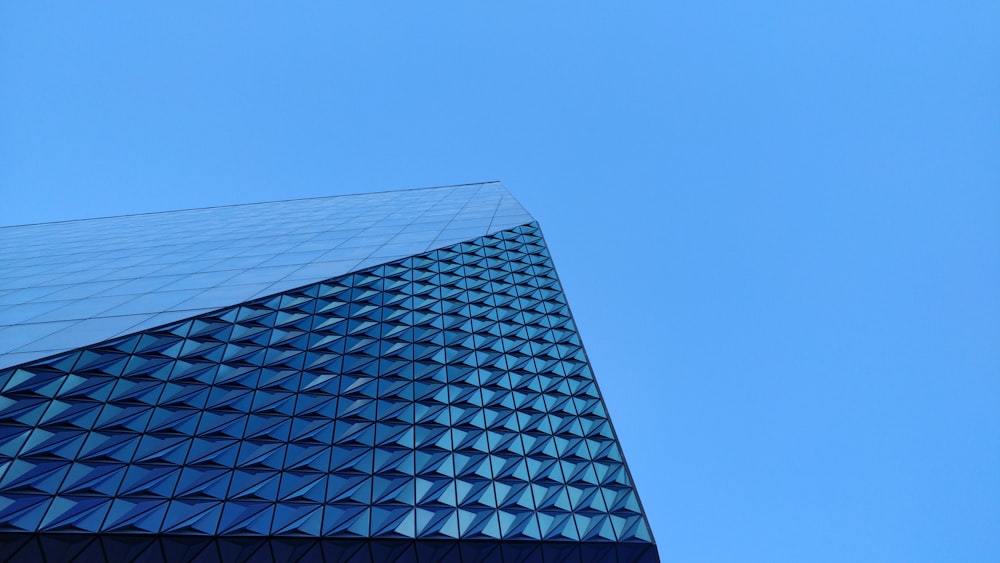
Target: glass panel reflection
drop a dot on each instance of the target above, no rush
(230, 249)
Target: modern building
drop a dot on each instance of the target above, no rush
(381, 377)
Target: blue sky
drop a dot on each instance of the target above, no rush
(778, 223)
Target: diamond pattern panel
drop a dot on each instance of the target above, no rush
(120, 548)
(440, 396)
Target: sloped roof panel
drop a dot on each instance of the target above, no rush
(68, 284)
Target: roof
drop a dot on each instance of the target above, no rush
(72, 283)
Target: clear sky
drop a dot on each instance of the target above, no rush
(778, 223)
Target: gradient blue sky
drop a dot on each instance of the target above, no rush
(778, 223)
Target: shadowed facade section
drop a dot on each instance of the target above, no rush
(440, 401)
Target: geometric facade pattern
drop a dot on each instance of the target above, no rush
(435, 407)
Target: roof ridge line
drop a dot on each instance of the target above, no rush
(247, 204)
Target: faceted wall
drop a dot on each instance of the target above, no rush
(438, 397)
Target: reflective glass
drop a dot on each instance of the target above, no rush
(444, 395)
(74, 270)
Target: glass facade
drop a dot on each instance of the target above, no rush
(64, 285)
(435, 406)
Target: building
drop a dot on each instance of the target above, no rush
(388, 376)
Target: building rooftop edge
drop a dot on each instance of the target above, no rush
(468, 184)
